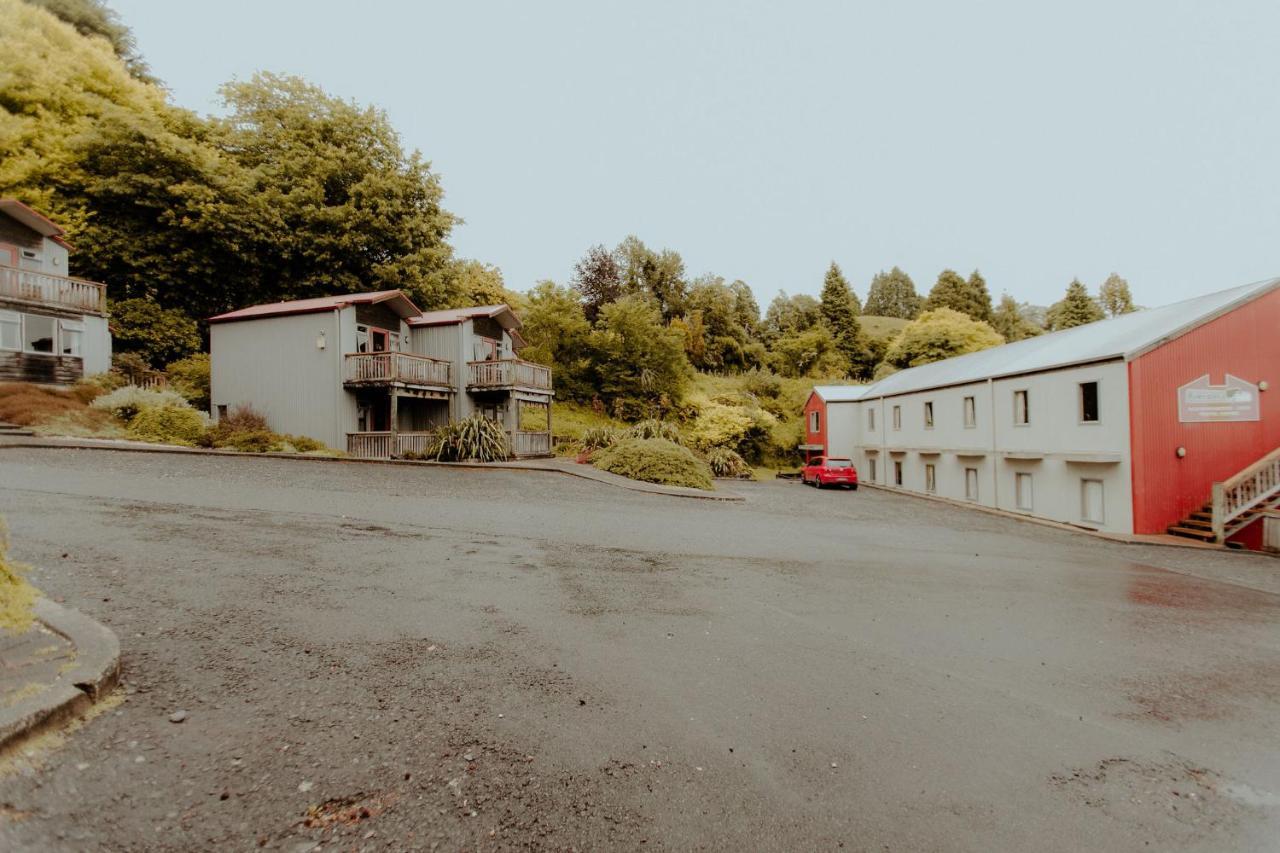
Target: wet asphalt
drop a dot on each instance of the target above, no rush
(393, 658)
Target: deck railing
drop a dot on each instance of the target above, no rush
(375, 367)
(43, 287)
(1251, 488)
(530, 443)
(508, 373)
(386, 445)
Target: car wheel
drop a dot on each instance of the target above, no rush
(818, 482)
(854, 487)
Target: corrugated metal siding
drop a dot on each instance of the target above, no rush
(435, 341)
(1245, 343)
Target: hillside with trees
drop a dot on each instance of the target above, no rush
(291, 193)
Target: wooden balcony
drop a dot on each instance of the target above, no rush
(397, 368)
(41, 288)
(507, 373)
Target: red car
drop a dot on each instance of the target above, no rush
(830, 471)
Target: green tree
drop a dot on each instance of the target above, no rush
(716, 316)
(840, 310)
(745, 308)
(557, 334)
(938, 334)
(661, 275)
(1075, 309)
(790, 315)
(93, 18)
(1114, 296)
(637, 357)
(476, 283)
(1009, 321)
(159, 335)
(892, 294)
(814, 352)
(598, 280)
(968, 297)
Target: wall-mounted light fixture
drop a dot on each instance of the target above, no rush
(1262, 386)
(1180, 452)
(320, 341)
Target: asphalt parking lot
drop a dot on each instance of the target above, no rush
(389, 657)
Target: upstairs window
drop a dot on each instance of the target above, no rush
(970, 413)
(1021, 408)
(871, 420)
(928, 414)
(815, 421)
(897, 417)
(1088, 402)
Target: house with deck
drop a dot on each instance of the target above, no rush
(372, 374)
(53, 328)
(1166, 419)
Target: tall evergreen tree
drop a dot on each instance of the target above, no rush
(1009, 321)
(1114, 296)
(892, 294)
(841, 313)
(968, 297)
(1075, 309)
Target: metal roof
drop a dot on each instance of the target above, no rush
(35, 220)
(450, 316)
(839, 393)
(401, 304)
(1126, 336)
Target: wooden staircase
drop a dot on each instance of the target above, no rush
(1236, 503)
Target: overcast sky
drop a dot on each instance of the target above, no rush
(1034, 141)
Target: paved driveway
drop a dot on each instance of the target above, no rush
(409, 658)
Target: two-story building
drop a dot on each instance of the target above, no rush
(1160, 419)
(372, 374)
(53, 328)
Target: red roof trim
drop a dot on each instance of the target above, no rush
(50, 229)
(319, 304)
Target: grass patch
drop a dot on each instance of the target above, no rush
(881, 327)
(16, 595)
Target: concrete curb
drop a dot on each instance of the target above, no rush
(587, 474)
(96, 671)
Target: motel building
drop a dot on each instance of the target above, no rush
(1163, 420)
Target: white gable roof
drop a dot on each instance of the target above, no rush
(839, 393)
(1126, 336)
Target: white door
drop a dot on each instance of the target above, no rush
(971, 483)
(1091, 508)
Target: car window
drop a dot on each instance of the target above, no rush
(839, 463)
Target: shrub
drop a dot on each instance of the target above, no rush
(655, 460)
(127, 402)
(244, 419)
(190, 377)
(474, 438)
(247, 440)
(726, 463)
(654, 428)
(594, 438)
(304, 444)
(168, 424)
(16, 595)
(762, 384)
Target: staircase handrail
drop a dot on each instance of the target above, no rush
(1245, 490)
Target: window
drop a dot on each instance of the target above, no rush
(72, 338)
(1088, 402)
(10, 330)
(871, 468)
(38, 333)
(930, 479)
(871, 419)
(815, 421)
(1091, 508)
(362, 338)
(222, 412)
(1022, 490)
(897, 472)
(833, 462)
(897, 417)
(928, 414)
(1021, 408)
(970, 413)
(971, 484)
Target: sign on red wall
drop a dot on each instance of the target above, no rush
(1235, 400)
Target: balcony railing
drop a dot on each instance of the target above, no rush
(530, 443)
(47, 289)
(388, 445)
(375, 368)
(508, 373)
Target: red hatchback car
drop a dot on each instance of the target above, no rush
(830, 471)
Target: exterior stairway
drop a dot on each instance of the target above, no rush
(7, 429)
(1236, 503)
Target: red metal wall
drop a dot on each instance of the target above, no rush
(1244, 343)
(815, 404)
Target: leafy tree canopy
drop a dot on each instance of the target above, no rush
(813, 352)
(968, 297)
(938, 334)
(892, 294)
(636, 355)
(1010, 322)
(1114, 296)
(557, 334)
(158, 335)
(789, 315)
(94, 18)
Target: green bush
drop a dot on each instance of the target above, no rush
(190, 377)
(594, 438)
(168, 424)
(762, 384)
(654, 428)
(248, 440)
(475, 438)
(747, 430)
(303, 444)
(655, 460)
(726, 463)
(128, 402)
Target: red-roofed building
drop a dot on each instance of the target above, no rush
(372, 374)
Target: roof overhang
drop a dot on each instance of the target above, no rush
(396, 300)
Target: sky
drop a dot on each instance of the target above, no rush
(1036, 142)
